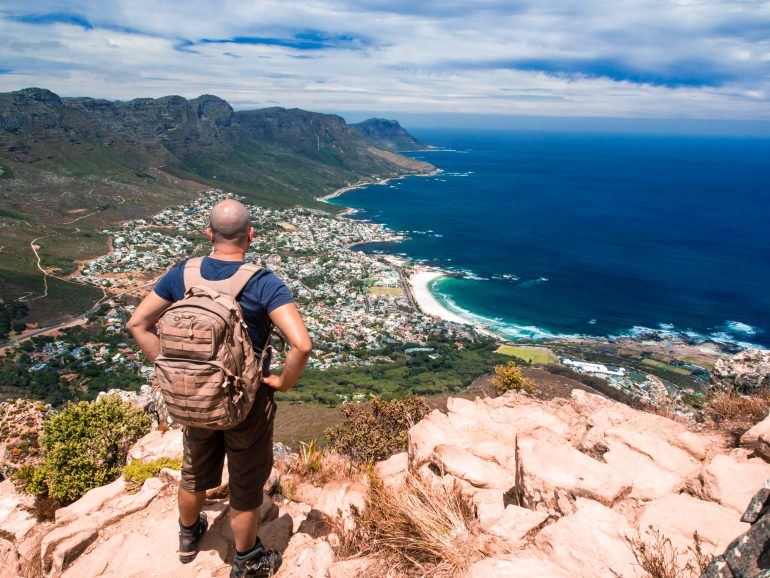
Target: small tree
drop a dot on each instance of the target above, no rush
(375, 431)
(508, 377)
(85, 446)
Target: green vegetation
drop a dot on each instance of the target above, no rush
(447, 369)
(13, 215)
(11, 315)
(531, 355)
(508, 377)
(375, 431)
(665, 366)
(138, 471)
(85, 446)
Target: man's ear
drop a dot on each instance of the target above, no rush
(251, 234)
(210, 234)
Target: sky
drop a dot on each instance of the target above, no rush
(490, 59)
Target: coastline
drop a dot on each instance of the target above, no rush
(366, 183)
(420, 280)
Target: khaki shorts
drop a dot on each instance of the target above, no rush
(249, 451)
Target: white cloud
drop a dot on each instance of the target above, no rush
(596, 58)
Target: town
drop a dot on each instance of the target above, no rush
(358, 308)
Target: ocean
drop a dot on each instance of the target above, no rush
(563, 234)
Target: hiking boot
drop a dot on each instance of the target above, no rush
(259, 563)
(189, 538)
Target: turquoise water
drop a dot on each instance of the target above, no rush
(589, 234)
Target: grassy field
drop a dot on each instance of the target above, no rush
(662, 365)
(386, 291)
(533, 355)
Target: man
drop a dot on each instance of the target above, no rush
(248, 446)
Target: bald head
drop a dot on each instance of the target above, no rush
(230, 221)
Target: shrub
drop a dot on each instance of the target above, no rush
(660, 559)
(508, 377)
(375, 431)
(136, 472)
(85, 446)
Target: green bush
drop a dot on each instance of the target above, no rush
(85, 446)
(375, 431)
(509, 377)
(136, 472)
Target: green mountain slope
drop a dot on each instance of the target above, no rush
(69, 167)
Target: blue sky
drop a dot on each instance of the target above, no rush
(684, 59)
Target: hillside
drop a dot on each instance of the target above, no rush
(493, 487)
(71, 166)
(388, 134)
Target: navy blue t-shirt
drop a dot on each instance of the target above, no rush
(263, 293)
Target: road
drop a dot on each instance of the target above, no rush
(80, 317)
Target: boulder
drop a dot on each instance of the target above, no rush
(679, 516)
(9, 559)
(527, 565)
(434, 429)
(551, 476)
(92, 501)
(340, 499)
(393, 471)
(157, 444)
(15, 517)
(478, 472)
(489, 505)
(517, 524)
(731, 482)
(746, 372)
(652, 444)
(590, 542)
(757, 439)
(64, 543)
(747, 555)
(647, 479)
(306, 557)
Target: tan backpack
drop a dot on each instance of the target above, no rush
(206, 369)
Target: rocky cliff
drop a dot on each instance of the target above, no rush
(569, 487)
(387, 134)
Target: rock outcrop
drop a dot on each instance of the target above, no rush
(559, 488)
(746, 372)
(586, 476)
(749, 554)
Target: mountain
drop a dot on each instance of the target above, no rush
(69, 167)
(387, 134)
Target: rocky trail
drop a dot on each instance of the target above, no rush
(558, 488)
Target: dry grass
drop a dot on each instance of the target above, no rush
(417, 529)
(735, 414)
(660, 559)
(732, 406)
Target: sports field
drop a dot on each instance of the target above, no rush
(393, 291)
(532, 355)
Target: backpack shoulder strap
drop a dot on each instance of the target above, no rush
(241, 277)
(192, 273)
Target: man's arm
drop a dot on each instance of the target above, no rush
(142, 323)
(286, 318)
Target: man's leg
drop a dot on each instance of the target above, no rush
(190, 506)
(245, 525)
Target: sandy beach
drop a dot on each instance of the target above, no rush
(425, 299)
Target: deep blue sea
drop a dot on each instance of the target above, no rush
(589, 234)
